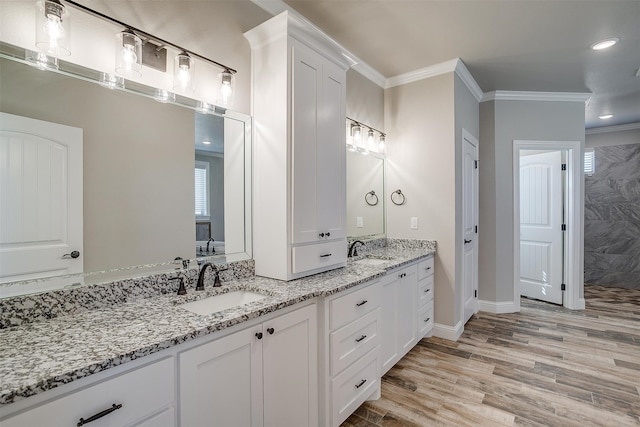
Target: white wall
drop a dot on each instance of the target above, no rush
(502, 122)
(420, 120)
(365, 100)
(610, 136)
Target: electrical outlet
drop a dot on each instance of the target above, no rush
(414, 223)
(359, 222)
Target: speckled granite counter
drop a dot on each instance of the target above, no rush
(39, 356)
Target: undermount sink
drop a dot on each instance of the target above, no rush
(222, 302)
(371, 261)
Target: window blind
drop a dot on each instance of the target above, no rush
(202, 191)
(589, 162)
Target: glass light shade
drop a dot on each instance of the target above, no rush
(356, 133)
(184, 68)
(52, 28)
(128, 54)
(204, 107)
(371, 143)
(227, 89)
(382, 143)
(41, 61)
(165, 96)
(111, 81)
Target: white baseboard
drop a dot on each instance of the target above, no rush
(451, 333)
(498, 307)
(580, 305)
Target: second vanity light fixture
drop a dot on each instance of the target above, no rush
(356, 142)
(134, 48)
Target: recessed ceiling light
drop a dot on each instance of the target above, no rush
(206, 142)
(604, 44)
(605, 116)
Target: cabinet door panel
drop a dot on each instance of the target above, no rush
(407, 309)
(290, 369)
(389, 323)
(220, 382)
(306, 86)
(332, 154)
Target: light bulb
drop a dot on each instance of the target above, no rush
(356, 133)
(54, 30)
(225, 92)
(129, 56)
(183, 73)
(370, 140)
(382, 143)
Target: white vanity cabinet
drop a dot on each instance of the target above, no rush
(350, 351)
(265, 375)
(425, 297)
(299, 110)
(142, 397)
(399, 314)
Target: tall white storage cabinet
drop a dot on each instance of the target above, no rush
(299, 99)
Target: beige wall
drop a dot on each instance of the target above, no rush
(502, 122)
(365, 100)
(138, 164)
(364, 174)
(419, 118)
(631, 136)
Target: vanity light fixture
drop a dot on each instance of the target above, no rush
(52, 28)
(605, 116)
(355, 141)
(605, 44)
(226, 92)
(184, 69)
(128, 54)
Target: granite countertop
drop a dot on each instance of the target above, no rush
(39, 356)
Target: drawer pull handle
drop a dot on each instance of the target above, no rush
(361, 338)
(428, 268)
(427, 320)
(271, 331)
(114, 407)
(259, 335)
(361, 383)
(325, 255)
(361, 303)
(403, 275)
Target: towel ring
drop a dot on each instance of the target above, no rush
(400, 201)
(371, 198)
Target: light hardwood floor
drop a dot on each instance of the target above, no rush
(544, 366)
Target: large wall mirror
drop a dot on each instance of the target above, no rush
(140, 161)
(365, 195)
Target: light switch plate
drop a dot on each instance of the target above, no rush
(414, 222)
(359, 222)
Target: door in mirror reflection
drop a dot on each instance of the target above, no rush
(40, 199)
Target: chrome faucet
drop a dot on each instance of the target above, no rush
(353, 250)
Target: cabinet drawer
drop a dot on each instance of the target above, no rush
(425, 268)
(425, 291)
(347, 308)
(425, 320)
(140, 392)
(353, 386)
(354, 340)
(319, 255)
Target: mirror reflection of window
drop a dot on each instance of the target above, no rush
(202, 190)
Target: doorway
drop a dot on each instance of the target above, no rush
(469, 226)
(547, 246)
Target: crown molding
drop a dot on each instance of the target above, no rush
(463, 72)
(614, 128)
(422, 73)
(507, 95)
(304, 26)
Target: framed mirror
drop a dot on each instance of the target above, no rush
(365, 195)
(138, 174)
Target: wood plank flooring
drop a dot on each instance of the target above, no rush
(544, 366)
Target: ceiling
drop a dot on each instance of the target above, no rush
(512, 45)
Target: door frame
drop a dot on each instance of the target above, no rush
(573, 297)
(476, 201)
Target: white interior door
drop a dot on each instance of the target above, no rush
(40, 198)
(469, 223)
(541, 260)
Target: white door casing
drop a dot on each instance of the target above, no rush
(469, 224)
(40, 198)
(541, 254)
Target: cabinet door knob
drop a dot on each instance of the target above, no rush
(361, 303)
(361, 383)
(328, 234)
(259, 335)
(361, 338)
(321, 234)
(101, 414)
(73, 254)
(427, 290)
(427, 320)
(428, 268)
(271, 331)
